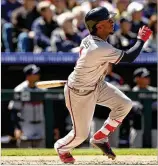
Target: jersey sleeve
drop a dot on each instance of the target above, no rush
(115, 55)
(108, 53)
(15, 104)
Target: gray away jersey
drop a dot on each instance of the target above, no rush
(92, 65)
(30, 110)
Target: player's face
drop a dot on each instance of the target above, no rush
(68, 27)
(125, 26)
(143, 81)
(47, 13)
(34, 77)
(106, 27)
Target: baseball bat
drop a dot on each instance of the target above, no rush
(50, 84)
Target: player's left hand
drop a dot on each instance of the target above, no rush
(144, 33)
(17, 134)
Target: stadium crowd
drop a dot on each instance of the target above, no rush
(58, 25)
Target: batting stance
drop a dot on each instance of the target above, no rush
(86, 87)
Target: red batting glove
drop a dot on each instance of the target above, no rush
(144, 33)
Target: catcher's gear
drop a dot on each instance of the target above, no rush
(95, 15)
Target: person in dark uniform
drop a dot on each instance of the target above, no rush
(142, 80)
(28, 116)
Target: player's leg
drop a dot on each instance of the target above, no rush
(120, 105)
(27, 130)
(81, 107)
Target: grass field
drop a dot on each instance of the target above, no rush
(51, 152)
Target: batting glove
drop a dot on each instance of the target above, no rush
(144, 33)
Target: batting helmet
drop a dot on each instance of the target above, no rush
(95, 15)
(141, 72)
(31, 69)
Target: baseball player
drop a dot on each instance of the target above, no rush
(28, 116)
(86, 86)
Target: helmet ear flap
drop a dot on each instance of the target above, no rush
(94, 31)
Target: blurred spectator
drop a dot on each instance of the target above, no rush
(150, 8)
(108, 5)
(59, 6)
(123, 38)
(44, 25)
(135, 10)
(142, 80)
(22, 19)
(121, 6)
(90, 4)
(140, 1)
(7, 6)
(2, 43)
(94, 3)
(151, 44)
(79, 21)
(71, 4)
(28, 116)
(65, 38)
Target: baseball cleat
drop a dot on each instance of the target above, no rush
(66, 158)
(105, 148)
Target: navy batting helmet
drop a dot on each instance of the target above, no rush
(141, 72)
(95, 15)
(31, 69)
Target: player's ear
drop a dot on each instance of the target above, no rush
(98, 26)
(136, 79)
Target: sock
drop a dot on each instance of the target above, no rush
(109, 126)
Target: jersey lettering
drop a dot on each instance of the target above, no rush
(86, 43)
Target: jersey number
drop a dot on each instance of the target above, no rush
(86, 43)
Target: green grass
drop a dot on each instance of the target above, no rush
(51, 152)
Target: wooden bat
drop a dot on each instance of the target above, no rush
(50, 84)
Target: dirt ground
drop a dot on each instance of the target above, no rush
(80, 160)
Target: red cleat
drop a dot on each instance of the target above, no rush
(66, 158)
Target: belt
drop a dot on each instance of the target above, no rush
(76, 90)
(31, 122)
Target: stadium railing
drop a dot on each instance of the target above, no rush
(61, 58)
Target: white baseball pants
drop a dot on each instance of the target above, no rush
(81, 106)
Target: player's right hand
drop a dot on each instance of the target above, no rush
(144, 33)
(17, 134)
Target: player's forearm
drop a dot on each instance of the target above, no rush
(15, 119)
(132, 53)
(143, 35)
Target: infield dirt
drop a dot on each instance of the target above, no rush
(80, 160)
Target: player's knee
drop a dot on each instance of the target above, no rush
(128, 105)
(84, 136)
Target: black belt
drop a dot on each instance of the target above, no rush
(32, 122)
(76, 90)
